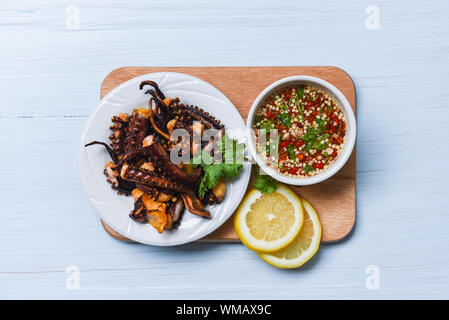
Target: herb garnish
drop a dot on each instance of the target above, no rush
(264, 183)
(314, 136)
(308, 168)
(291, 152)
(228, 168)
(285, 119)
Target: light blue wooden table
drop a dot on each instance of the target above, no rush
(53, 58)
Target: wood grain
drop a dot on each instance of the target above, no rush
(333, 199)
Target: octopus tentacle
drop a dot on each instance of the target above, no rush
(149, 179)
(112, 171)
(161, 108)
(111, 152)
(140, 176)
(175, 212)
(204, 117)
(188, 114)
(195, 206)
(159, 93)
(138, 129)
(153, 122)
(131, 155)
(151, 191)
(157, 153)
(161, 157)
(119, 126)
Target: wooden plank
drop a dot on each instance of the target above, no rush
(333, 199)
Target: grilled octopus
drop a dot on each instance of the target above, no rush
(140, 163)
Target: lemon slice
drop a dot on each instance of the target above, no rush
(269, 222)
(303, 247)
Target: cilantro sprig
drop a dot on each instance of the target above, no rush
(285, 119)
(315, 136)
(229, 166)
(264, 183)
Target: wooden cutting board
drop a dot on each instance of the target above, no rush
(334, 199)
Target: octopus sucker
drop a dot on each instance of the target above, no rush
(138, 129)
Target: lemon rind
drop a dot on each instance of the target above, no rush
(298, 262)
(258, 245)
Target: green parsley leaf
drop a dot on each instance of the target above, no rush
(267, 126)
(264, 183)
(320, 123)
(308, 168)
(285, 119)
(212, 175)
(267, 149)
(291, 152)
(308, 146)
(301, 92)
(232, 159)
(319, 146)
(311, 134)
(231, 170)
(290, 99)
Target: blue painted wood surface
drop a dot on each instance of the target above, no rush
(51, 69)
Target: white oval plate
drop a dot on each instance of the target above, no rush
(113, 208)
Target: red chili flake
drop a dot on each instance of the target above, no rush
(293, 170)
(270, 114)
(284, 144)
(281, 127)
(334, 154)
(283, 156)
(300, 143)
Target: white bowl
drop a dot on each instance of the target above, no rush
(350, 128)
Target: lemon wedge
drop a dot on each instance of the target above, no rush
(303, 247)
(269, 222)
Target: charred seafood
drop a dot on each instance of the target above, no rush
(140, 147)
